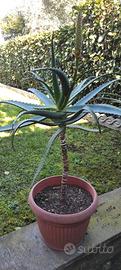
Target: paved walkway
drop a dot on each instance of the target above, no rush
(8, 92)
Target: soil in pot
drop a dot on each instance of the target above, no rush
(75, 199)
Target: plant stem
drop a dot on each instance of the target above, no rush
(65, 161)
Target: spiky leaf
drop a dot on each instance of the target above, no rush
(47, 114)
(93, 93)
(47, 101)
(105, 108)
(10, 127)
(83, 128)
(46, 152)
(22, 105)
(81, 86)
(44, 84)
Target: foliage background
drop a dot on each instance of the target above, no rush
(101, 47)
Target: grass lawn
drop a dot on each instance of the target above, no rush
(92, 156)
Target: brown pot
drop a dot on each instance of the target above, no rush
(57, 229)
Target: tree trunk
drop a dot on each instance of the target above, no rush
(65, 161)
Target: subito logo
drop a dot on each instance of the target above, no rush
(69, 249)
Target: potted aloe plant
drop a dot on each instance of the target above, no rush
(63, 204)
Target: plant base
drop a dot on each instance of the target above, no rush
(58, 230)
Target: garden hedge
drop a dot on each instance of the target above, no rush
(101, 49)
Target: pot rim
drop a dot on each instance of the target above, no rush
(63, 218)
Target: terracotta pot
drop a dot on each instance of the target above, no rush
(57, 229)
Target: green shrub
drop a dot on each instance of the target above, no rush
(101, 52)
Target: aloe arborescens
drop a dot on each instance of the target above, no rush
(62, 107)
(63, 114)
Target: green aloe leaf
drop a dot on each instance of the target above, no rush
(83, 128)
(80, 113)
(90, 110)
(93, 93)
(46, 152)
(73, 109)
(47, 101)
(44, 84)
(6, 128)
(105, 108)
(74, 118)
(49, 124)
(22, 105)
(9, 127)
(47, 114)
(63, 79)
(23, 123)
(79, 88)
